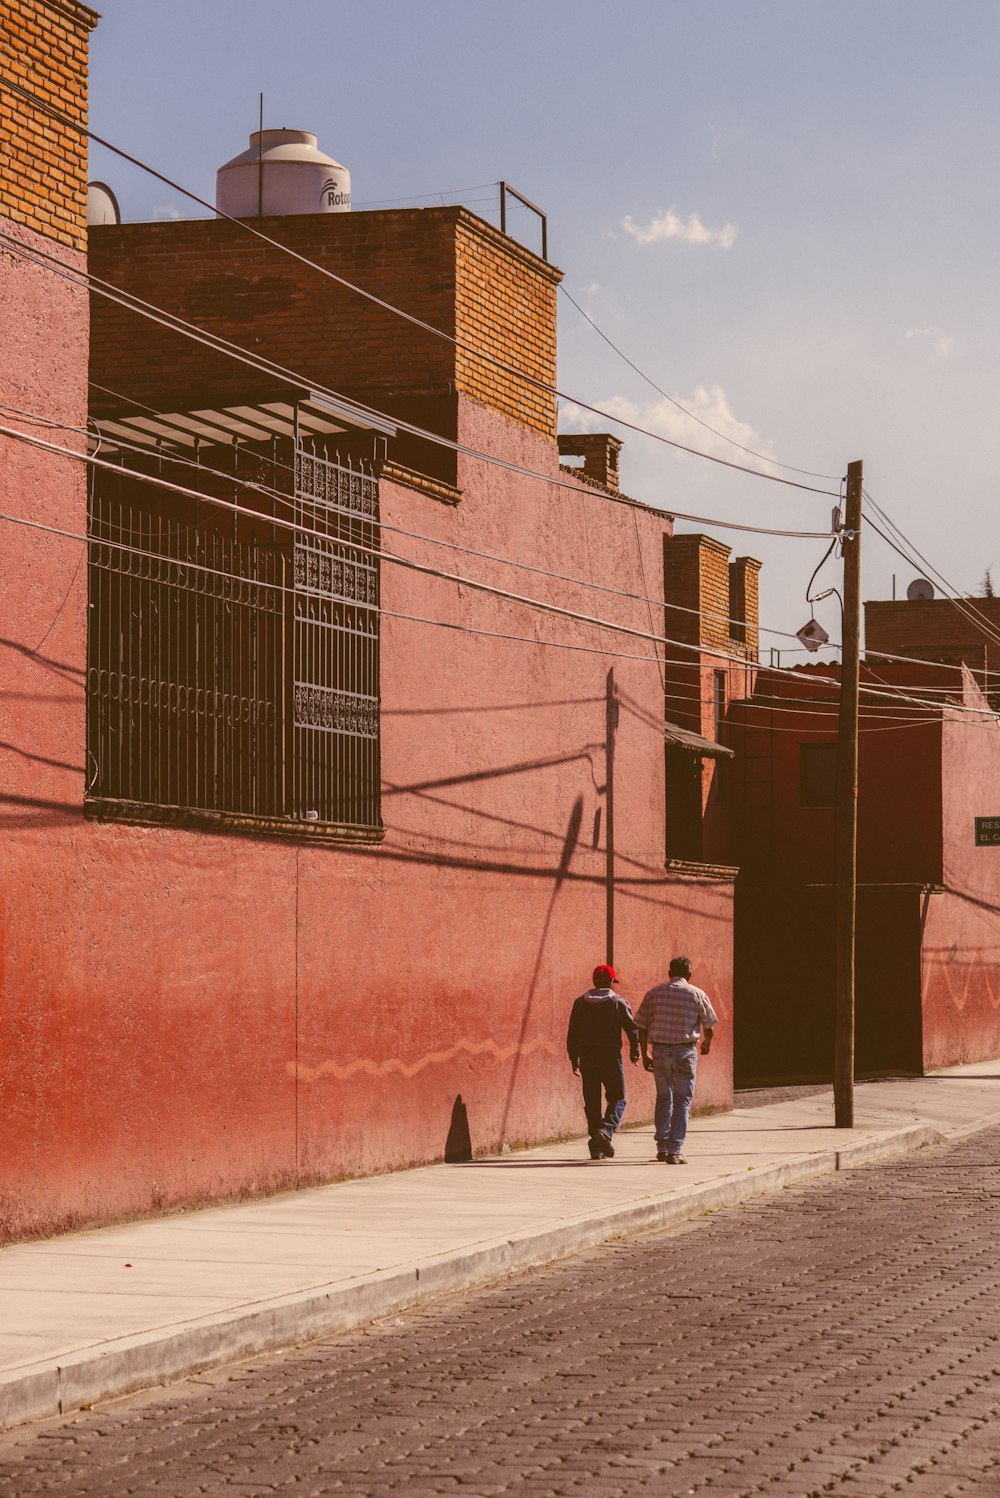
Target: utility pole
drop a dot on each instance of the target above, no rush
(846, 828)
(610, 728)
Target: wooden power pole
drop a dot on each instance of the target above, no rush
(846, 838)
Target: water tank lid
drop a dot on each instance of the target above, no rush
(282, 145)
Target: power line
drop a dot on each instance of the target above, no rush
(437, 332)
(741, 704)
(700, 650)
(412, 565)
(477, 353)
(183, 328)
(422, 197)
(808, 472)
(388, 556)
(287, 502)
(914, 660)
(963, 605)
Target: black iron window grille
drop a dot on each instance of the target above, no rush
(233, 665)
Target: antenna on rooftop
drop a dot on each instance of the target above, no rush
(260, 160)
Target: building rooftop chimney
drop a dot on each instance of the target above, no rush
(599, 451)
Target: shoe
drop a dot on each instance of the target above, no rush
(605, 1146)
(596, 1153)
(677, 1159)
(662, 1156)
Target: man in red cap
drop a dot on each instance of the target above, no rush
(594, 1043)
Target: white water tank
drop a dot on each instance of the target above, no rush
(282, 171)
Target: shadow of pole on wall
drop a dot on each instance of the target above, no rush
(569, 846)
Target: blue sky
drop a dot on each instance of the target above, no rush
(783, 211)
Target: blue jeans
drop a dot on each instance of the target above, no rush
(674, 1068)
(604, 1072)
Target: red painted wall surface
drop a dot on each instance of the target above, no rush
(899, 779)
(189, 1016)
(927, 974)
(961, 937)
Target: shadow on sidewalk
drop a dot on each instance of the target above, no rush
(549, 1164)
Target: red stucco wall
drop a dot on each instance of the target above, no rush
(961, 936)
(899, 779)
(191, 1016)
(960, 962)
(928, 934)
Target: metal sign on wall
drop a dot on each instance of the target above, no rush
(987, 832)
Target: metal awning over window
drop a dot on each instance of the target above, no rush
(683, 738)
(303, 415)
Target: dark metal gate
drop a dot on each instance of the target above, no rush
(236, 677)
(336, 643)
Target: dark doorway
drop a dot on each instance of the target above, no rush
(683, 804)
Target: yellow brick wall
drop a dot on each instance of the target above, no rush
(506, 307)
(696, 576)
(43, 164)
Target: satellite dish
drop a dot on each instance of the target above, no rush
(102, 205)
(919, 589)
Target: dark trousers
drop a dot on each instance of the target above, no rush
(603, 1072)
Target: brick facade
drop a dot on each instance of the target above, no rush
(506, 306)
(710, 604)
(600, 453)
(444, 266)
(43, 164)
(744, 603)
(937, 629)
(698, 575)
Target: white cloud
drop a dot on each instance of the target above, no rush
(670, 225)
(709, 422)
(940, 343)
(166, 213)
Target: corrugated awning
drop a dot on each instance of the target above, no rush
(308, 414)
(683, 738)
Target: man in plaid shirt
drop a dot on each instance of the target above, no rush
(670, 1017)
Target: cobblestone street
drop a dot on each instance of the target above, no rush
(843, 1337)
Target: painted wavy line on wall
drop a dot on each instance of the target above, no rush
(940, 973)
(332, 1068)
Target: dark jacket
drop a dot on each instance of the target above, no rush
(596, 1023)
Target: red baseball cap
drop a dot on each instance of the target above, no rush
(604, 976)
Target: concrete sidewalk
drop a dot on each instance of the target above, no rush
(95, 1314)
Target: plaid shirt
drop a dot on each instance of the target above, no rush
(672, 1013)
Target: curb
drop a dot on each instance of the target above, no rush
(166, 1354)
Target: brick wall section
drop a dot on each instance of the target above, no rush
(444, 266)
(506, 306)
(696, 576)
(599, 451)
(934, 629)
(744, 603)
(43, 164)
(910, 625)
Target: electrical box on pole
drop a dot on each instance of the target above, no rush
(846, 837)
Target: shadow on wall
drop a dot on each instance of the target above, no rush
(569, 846)
(458, 1145)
